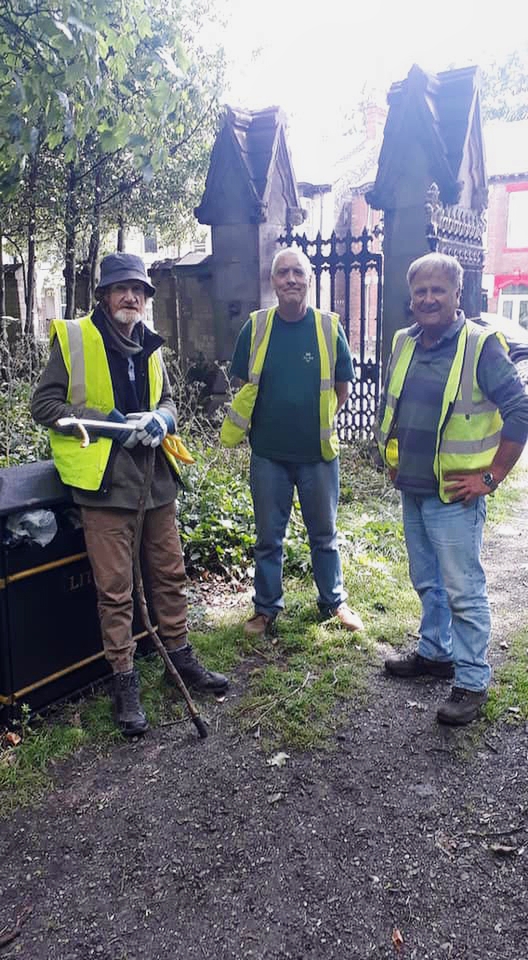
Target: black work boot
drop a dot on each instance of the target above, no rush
(128, 712)
(414, 665)
(462, 707)
(194, 674)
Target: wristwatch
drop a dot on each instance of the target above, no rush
(489, 480)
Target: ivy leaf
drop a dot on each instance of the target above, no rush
(64, 29)
(168, 61)
(278, 759)
(147, 172)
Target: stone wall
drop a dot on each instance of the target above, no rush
(196, 315)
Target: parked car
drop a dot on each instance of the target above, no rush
(516, 338)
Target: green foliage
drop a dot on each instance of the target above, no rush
(297, 559)
(383, 538)
(508, 698)
(216, 517)
(504, 89)
(21, 439)
(62, 65)
(216, 514)
(107, 116)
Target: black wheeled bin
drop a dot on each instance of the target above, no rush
(50, 639)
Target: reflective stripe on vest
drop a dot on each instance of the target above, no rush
(402, 350)
(326, 328)
(90, 384)
(77, 387)
(238, 418)
(469, 427)
(261, 324)
(464, 402)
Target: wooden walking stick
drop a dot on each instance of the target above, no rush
(140, 595)
(139, 588)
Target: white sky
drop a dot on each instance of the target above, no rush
(314, 58)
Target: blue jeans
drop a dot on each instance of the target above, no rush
(272, 485)
(444, 541)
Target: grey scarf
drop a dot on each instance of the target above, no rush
(126, 346)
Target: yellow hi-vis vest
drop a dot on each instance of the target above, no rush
(470, 425)
(238, 418)
(90, 384)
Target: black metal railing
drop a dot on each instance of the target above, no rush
(348, 277)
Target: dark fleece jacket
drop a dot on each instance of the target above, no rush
(124, 476)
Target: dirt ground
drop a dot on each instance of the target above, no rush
(404, 840)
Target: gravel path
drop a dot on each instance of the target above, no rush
(404, 839)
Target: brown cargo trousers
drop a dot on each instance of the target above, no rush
(109, 537)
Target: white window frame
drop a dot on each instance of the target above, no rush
(517, 226)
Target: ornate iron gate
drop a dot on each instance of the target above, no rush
(349, 279)
(458, 232)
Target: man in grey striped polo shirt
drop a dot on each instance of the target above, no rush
(452, 423)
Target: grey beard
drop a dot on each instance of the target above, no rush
(125, 317)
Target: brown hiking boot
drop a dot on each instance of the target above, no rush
(259, 627)
(349, 618)
(414, 665)
(462, 707)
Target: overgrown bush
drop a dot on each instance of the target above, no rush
(215, 511)
(200, 413)
(21, 439)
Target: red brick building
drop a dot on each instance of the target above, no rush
(354, 215)
(506, 266)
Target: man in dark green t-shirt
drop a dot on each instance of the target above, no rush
(286, 450)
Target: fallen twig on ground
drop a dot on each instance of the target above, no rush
(12, 934)
(275, 702)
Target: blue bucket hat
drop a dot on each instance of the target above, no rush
(120, 267)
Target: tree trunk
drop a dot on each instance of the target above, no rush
(2, 278)
(29, 329)
(121, 230)
(95, 238)
(70, 223)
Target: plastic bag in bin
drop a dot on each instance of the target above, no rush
(30, 526)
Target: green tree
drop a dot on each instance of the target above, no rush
(504, 90)
(124, 99)
(30, 223)
(55, 61)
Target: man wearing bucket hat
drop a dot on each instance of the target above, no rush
(108, 367)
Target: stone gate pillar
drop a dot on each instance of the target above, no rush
(431, 184)
(250, 197)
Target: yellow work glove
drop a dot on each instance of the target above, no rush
(176, 447)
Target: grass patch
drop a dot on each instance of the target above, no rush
(26, 768)
(298, 693)
(296, 698)
(508, 699)
(506, 497)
